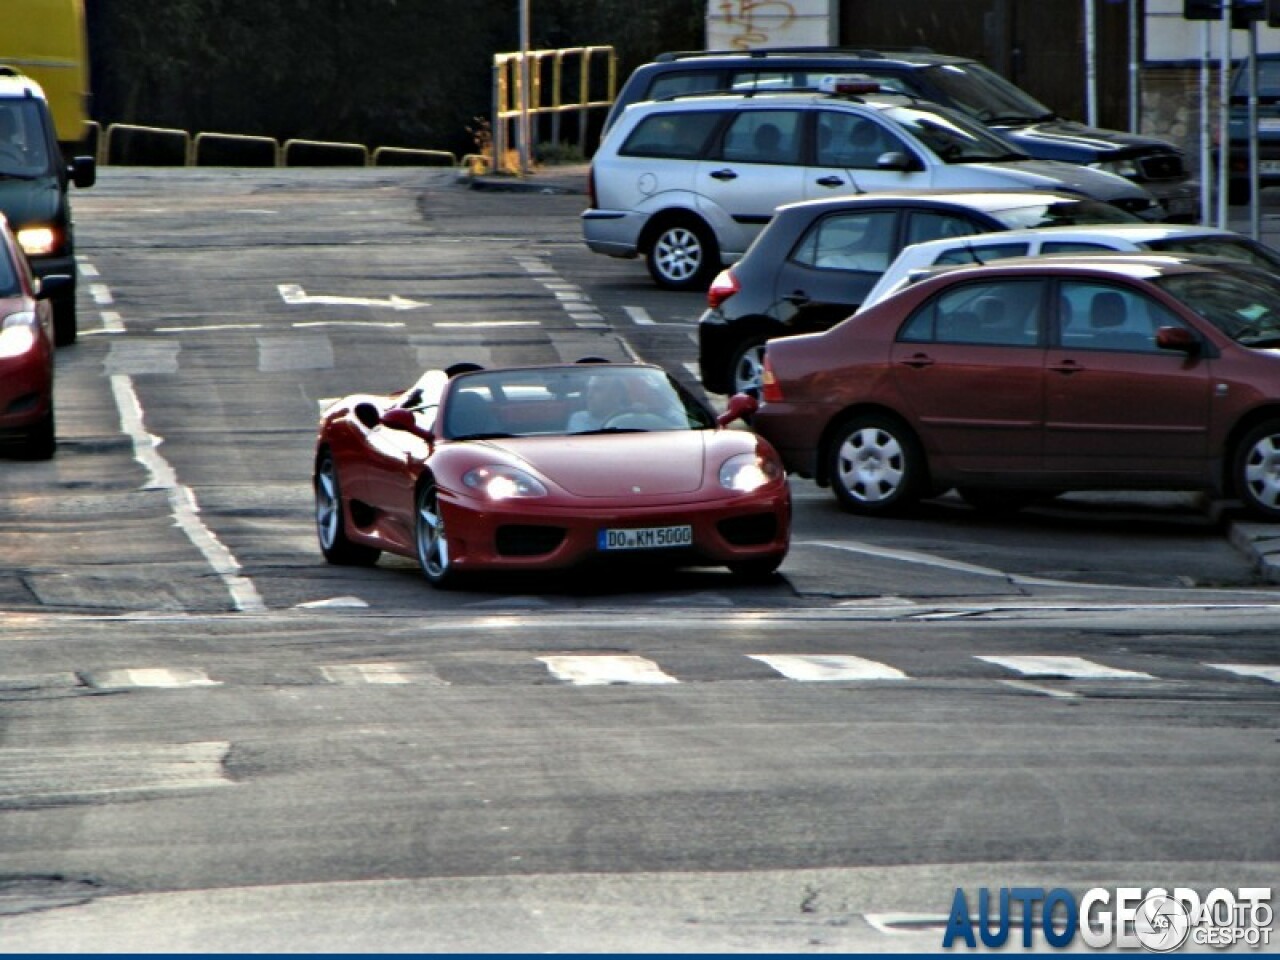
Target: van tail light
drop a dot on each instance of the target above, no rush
(770, 389)
(591, 186)
(724, 286)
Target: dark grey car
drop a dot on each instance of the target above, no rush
(816, 260)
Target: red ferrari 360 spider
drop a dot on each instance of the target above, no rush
(546, 467)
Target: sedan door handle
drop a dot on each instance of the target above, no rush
(829, 182)
(917, 360)
(1066, 366)
(723, 175)
(797, 299)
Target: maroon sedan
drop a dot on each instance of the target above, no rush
(545, 468)
(26, 352)
(1033, 377)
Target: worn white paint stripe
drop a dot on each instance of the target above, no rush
(333, 603)
(362, 673)
(388, 324)
(87, 269)
(696, 370)
(597, 669)
(1043, 691)
(1072, 668)
(906, 923)
(79, 774)
(464, 324)
(182, 501)
(211, 326)
(571, 296)
(1258, 670)
(639, 315)
(101, 294)
(828, 667)
(158, 677)
(111, 322)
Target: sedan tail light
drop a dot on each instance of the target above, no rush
(770, 388)
(724, 286)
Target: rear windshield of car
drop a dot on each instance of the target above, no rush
(675, 134)
(1063, 213)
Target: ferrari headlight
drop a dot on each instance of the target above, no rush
(503, 483)
(38, 241)
(747, 472)
(1121, 168)
(18, 334)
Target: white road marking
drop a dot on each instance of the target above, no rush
(639, 315)
(333, 603)
(75, 774)
(386, 324)
(1260, 671)
(696, 370)
(211, 326)
(1043, 691)
(276, 354)
(111, 322)
(153, 677)
(595, 669)
(182, 500)
(87, 269)
(464, 324)
(294, 295)
(362, 673)
(828, 668)
(101, 294)
(1072, 668)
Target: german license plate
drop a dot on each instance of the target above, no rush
(645, 538)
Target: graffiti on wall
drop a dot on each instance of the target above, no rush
(752, 23)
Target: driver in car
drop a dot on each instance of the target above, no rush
(607, 397)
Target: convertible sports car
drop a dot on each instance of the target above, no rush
(547, 467)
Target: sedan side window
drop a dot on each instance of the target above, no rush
(676, 135)
(853, 141)
(926, 225)
(994, 313)
(849, 241)
(982, 254)
(1096, 316)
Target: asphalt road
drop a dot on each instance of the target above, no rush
(209, 740)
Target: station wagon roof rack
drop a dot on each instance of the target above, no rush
(761, 52)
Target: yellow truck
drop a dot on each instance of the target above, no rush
(46, 40)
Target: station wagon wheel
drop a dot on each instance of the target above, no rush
(683, 255)
(1257, 470)
(875, 465)
(331, 526)
(432, 541)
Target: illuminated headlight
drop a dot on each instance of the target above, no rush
(1121, 168)
(38, 241)
(18, 334)
(747, 472)
(502, 483)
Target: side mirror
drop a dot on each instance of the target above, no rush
(742, 406)
(398, 418)
(1178, 338)
(46, 287)
(895, 160)
(84, 171)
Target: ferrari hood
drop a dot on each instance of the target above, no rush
(617, 465)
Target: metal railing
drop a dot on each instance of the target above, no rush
(120, 144)
(547, 75)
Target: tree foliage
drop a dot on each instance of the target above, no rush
(382, 72)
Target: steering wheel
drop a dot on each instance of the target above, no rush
(636, 420)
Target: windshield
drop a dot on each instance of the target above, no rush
(952, 136)
(579, 399)
(1233, 248)
(1063, 213)
(984, 94)
(1241, 301)
(23, 150)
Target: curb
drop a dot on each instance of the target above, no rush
(545, 181)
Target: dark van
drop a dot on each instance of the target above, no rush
(34, 182)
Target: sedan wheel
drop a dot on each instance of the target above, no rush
(683, 256)
(331, 525)
(1257, 470)
(433, 543)
(748, 368)
(875, 465)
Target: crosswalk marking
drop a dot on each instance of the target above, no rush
(1258, 670)
(639, 315)
(1072, 668)
(826, 668)
(386, 674)
(156, 677)
(595, 669)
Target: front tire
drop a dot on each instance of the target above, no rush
(875, 465)
(331, 525)
(683, 255)
(1257, 470)
(432, 539)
